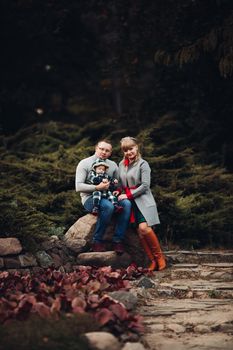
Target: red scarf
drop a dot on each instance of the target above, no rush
(126, 162)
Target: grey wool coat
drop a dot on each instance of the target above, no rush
(139, 174)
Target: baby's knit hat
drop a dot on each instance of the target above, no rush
(99, 162)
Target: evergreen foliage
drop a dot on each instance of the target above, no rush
(192, 190)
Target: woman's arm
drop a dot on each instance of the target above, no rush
(145, 181)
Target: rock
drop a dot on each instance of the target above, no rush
(12, 263)
(128, 299)
(104, 259)
(10, 246)
(27, 260)
(76, 245)
(188, 266)
(146, 282)
(57, 260)
(68, 267)
(37, 269)
(22, 272)
(51, 243)
(1, 263)
(181, 256)
(102, 341)
(156, 327)
(219, 265)
(65, 255)
(80, 233)
(201, 328)
(44, 259)
(133, 346)
(176, 328)
(225, 328)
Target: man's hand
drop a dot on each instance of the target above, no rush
(102, 186)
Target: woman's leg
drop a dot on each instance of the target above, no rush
(122, 221)
(153, 245)
(148, 252)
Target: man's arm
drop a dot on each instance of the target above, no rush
(80, 179)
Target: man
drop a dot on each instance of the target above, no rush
(103, 151)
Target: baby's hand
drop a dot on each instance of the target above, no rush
(116, 193)
(115, 181)
(105, 181)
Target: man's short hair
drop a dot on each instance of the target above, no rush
(104, 140)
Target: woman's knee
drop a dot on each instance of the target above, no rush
(143, 229)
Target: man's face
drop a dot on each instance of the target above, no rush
(103, 150)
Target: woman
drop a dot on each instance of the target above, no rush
(134, 175)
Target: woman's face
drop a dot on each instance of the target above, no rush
(131, 152)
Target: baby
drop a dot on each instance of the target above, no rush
(97, 175)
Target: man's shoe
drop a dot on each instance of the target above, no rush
(118, 248)
(98, 247)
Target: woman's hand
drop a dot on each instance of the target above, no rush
(122, 196)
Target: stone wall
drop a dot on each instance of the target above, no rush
(73, 249)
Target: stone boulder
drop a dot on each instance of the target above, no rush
(79, 236)
(102, 341)
(128, 299)
(133, 346)
(10, 246)
(109, 258)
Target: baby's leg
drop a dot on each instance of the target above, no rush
(96, 196)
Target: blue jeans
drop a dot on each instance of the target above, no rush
(106, 210)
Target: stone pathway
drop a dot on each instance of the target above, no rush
(190, 305)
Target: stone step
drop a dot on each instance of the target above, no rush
(197, 257)
(188, 341)
(214, 271)
(184, 305)
(195, 289)
(188, 324)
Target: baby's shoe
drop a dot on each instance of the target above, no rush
(95, 211)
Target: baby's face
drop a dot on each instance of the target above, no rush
(100, 169)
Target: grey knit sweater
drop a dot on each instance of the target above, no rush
(83, 169)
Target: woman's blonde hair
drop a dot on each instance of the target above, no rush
(128, 142)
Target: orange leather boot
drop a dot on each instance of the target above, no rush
(153, 242)
(148, 252)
